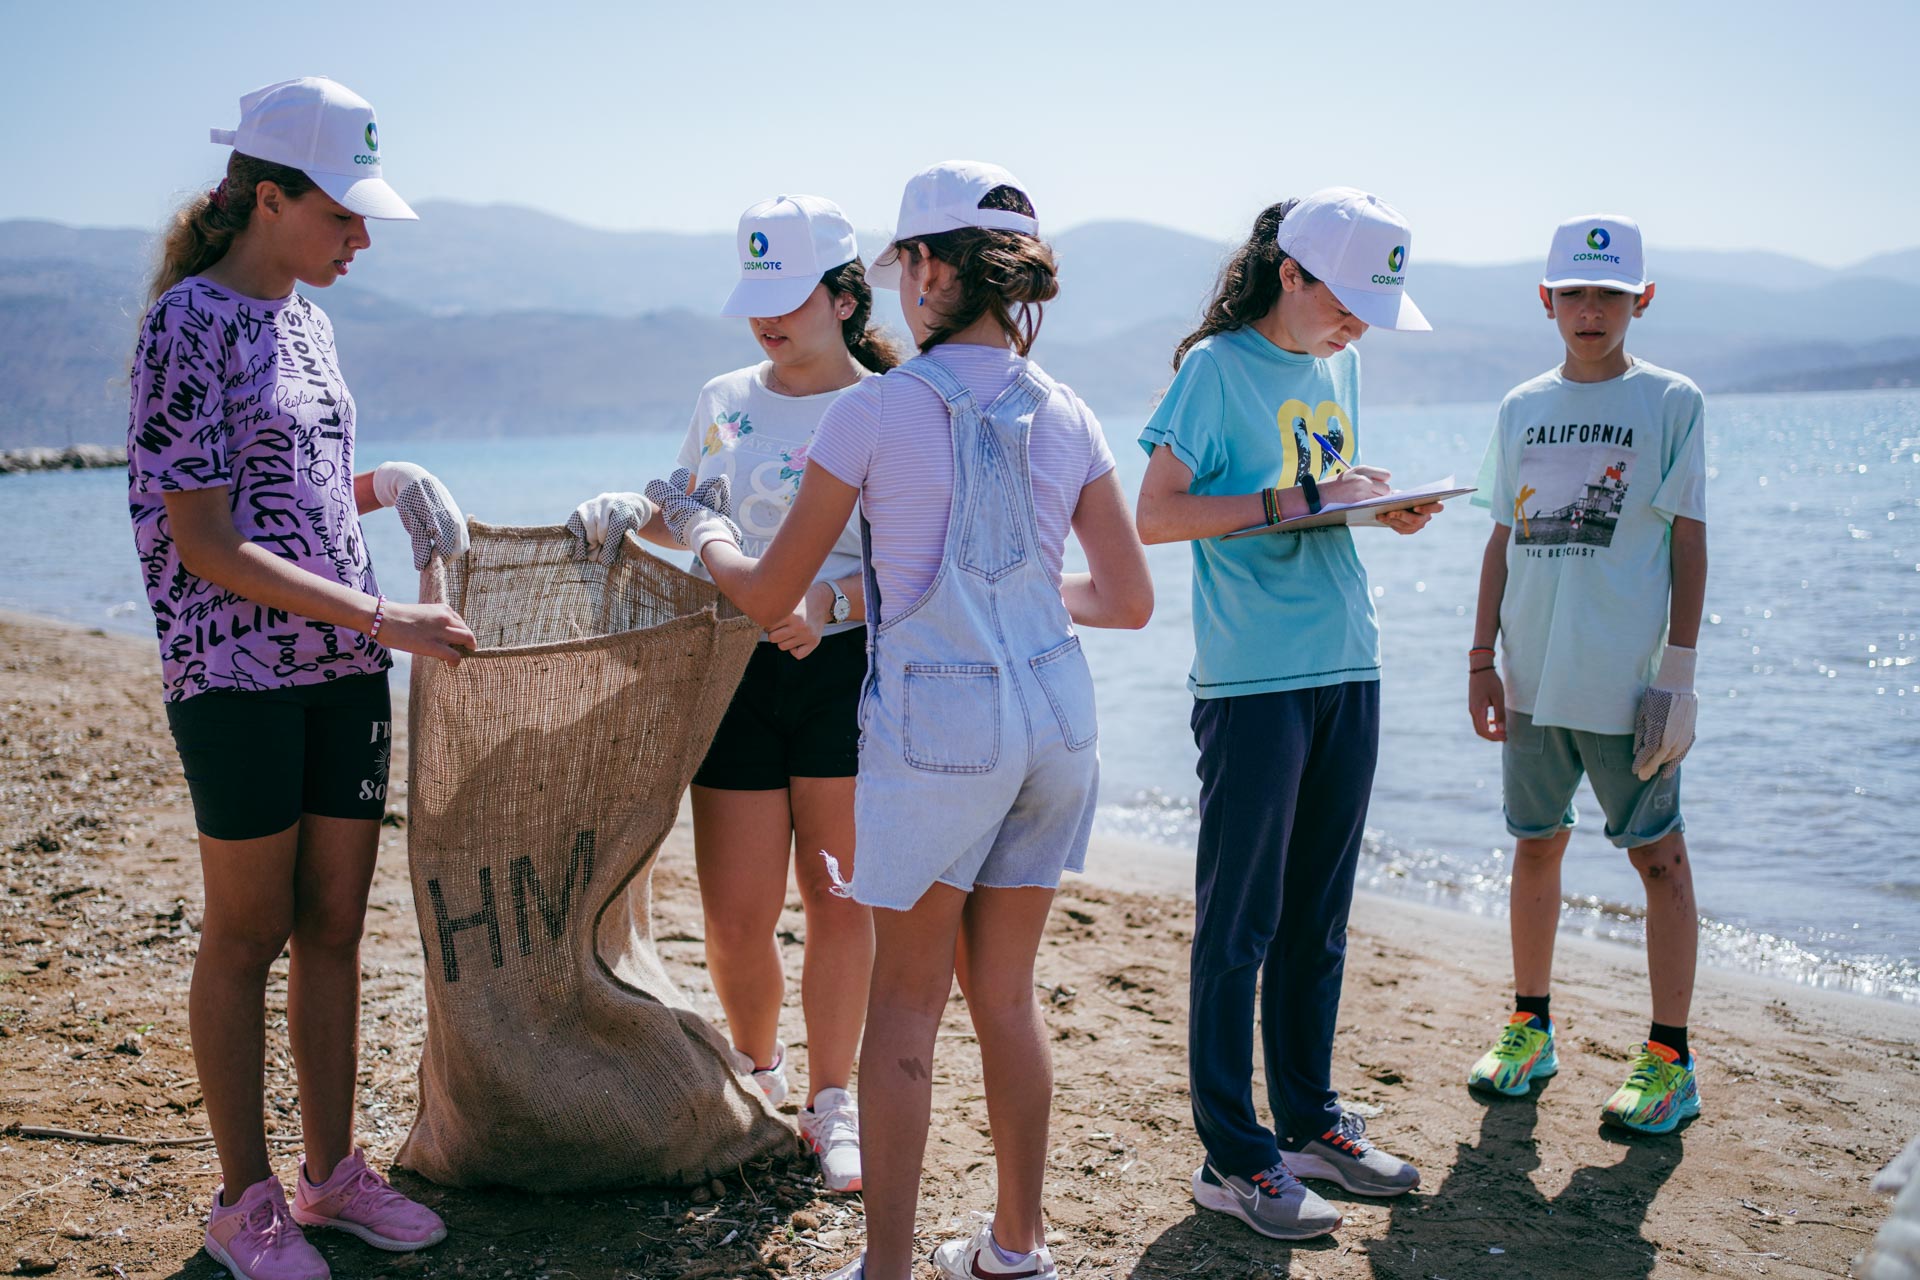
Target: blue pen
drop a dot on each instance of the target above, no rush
(1327, 445)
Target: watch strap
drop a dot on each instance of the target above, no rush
(1311, 488)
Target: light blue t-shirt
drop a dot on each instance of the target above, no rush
(1589, 476)
(1283, 610)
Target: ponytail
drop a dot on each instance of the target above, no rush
(204, 228)
(1249, 284)
(866, 343)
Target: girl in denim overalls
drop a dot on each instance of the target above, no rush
(978, 759)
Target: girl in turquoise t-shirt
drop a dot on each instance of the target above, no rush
(1262, 415)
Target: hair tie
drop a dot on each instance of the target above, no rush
(217, 197)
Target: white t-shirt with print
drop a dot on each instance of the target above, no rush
(759, 440)
(1590, 476)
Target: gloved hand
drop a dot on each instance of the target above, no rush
(697, 519)
(1663, 731)
(599, 525)
(427, 511)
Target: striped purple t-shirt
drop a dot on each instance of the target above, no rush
(892, 439)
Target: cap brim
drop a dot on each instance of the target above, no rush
(1597, 282)
(1383, 310)
(767, 298)
(884, 271)
(368, 197)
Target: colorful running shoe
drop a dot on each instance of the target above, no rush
(1660, 1092)
(256, 1239)
(1525, 1054)
(357, 1200)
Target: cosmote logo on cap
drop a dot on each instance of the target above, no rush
(757, 246)
(1396, 259)
(373, 137)
(1598, 239)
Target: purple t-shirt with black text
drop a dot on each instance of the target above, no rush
(235, 391)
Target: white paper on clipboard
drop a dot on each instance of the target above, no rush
(1338, 512)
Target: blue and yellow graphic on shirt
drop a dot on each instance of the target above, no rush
(1302, 454)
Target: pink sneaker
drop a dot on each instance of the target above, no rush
(256, 1239)
(357, 1200)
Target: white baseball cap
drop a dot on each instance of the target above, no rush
(946, 198)
(326, 131)
(786, 245)
(1357, 245)
(1597, 249)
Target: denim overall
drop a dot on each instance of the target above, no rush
(978, 763)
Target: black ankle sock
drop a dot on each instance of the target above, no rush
(1675, 1038)
(1535, 1005)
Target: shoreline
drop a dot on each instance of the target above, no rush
(1131, 864)
(1808, 1093)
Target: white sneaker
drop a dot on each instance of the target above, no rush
(831, 1127)
(1272, 1202)
(979, 1259)
(772, 1080)
(855, 1270)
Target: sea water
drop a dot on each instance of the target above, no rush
(1800, 795)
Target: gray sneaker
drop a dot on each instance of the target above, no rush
(1272, 1202)
(1344, 1155)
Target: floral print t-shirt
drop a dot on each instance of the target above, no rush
(759, 440)
(235, 391)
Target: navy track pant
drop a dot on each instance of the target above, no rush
(1284, 783)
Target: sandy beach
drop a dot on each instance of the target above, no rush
(1806, 1093)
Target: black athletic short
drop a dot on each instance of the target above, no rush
(258, 759)
(791, 718)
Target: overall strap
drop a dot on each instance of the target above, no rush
(938, 377)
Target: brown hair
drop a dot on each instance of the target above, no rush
(203, 229)
(1005, 274)
(869, 344)
(1249, 284)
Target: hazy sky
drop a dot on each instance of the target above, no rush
(1717, 125)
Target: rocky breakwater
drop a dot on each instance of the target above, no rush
(75, 457)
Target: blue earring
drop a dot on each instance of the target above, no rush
(922, 302)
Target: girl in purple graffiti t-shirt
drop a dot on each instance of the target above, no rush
(231, 391)
(273, 646)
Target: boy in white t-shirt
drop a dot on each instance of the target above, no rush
(1594, 579)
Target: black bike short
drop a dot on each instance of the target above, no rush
(791, 718)
(257, 759)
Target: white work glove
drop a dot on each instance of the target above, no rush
(599, 525)
(699, 518)
(1663, 731)
(427, 511)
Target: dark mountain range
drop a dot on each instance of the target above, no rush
(496, 319)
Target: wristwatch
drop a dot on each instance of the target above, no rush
(1311, 488)
(841, 605)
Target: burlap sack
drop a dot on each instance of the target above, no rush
(545, 771)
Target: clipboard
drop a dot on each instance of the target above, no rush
(1338, 512)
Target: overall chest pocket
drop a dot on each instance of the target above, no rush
(1062, 673)
(950, 716)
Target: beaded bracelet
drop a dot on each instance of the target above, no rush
(1270, 501)
(379, 616)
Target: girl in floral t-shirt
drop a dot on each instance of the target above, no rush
(779, 776)
(273, 646)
